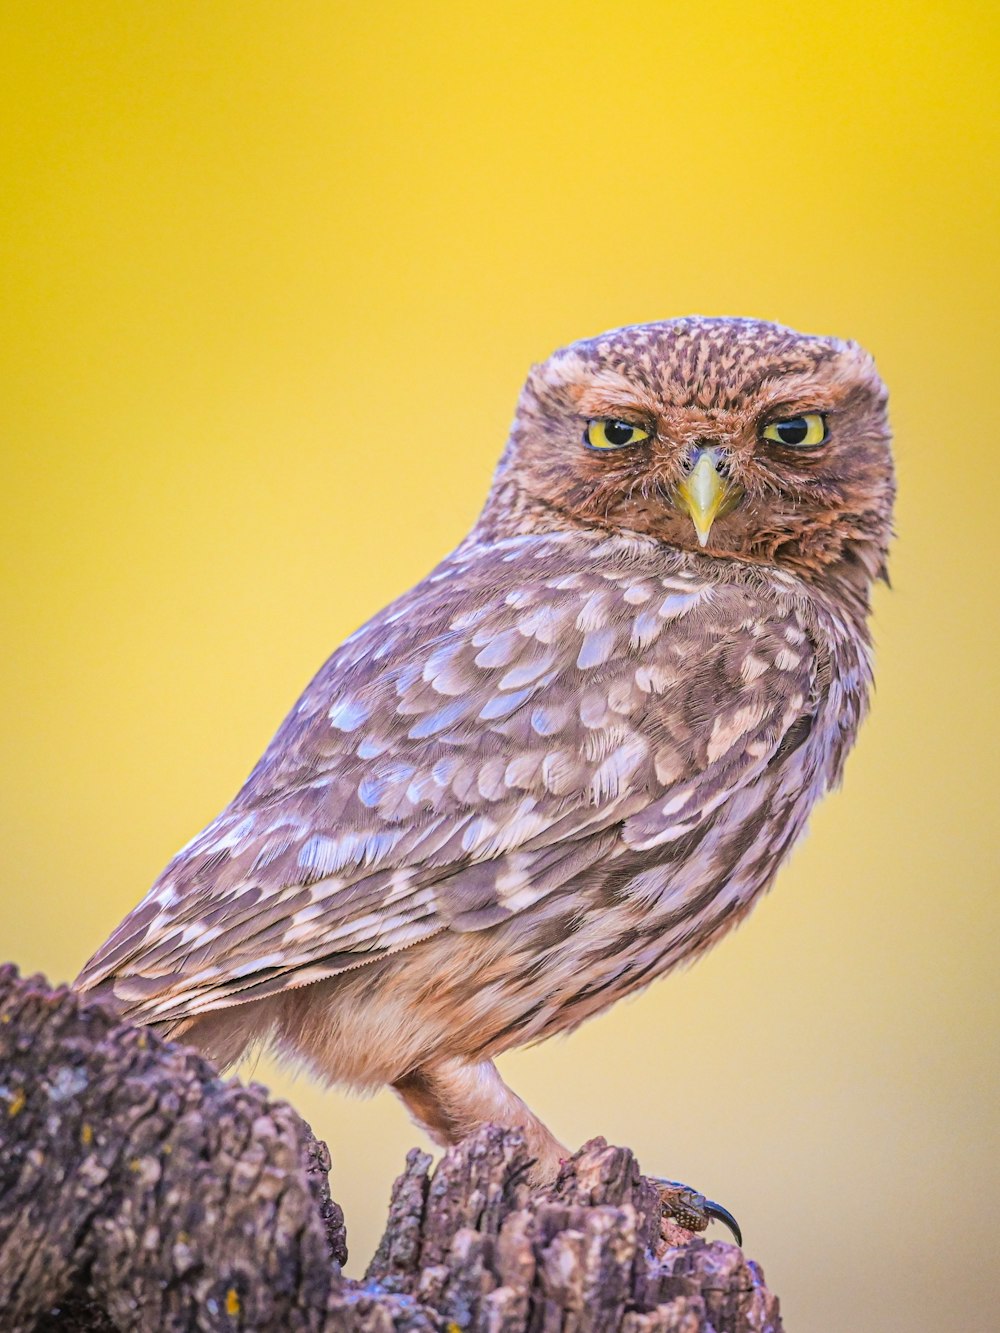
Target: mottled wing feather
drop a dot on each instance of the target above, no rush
(525, 714)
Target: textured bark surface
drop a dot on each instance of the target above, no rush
(140, 1191)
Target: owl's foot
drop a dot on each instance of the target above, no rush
(690, 1210)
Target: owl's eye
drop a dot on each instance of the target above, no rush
(800, 432)
(609, 433)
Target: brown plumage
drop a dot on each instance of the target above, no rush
(573, 755)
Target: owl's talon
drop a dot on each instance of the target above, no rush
(719, 1214)
(692, 1210)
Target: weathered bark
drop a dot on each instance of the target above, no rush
(140, 1191)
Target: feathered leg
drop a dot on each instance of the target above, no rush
(452, 1098)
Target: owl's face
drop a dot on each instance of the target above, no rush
(730, 437)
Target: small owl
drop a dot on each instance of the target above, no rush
(571, 757)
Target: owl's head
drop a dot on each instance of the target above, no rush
(729, 437)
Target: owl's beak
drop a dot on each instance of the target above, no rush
(704, 492)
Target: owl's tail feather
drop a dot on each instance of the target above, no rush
(223, 1036)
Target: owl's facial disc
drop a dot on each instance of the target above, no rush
(706, 493)
(733, 439)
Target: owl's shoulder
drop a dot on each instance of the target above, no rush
(503, 641)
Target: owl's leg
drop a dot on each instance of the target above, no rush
(452, 1098)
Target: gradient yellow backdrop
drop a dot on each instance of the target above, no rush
(272, 275)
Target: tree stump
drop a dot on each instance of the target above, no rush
(141, 1191)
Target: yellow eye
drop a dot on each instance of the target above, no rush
(799, 432)
(609, 433)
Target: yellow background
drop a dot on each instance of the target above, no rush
(273, 273)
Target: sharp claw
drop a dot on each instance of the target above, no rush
(723, 1215)
(694, 1212)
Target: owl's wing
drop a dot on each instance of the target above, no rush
(509, 723)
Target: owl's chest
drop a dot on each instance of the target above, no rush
(733, 777)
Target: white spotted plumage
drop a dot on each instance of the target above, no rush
(569, 758)
(474, 776)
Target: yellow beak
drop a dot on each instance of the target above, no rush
(703, 492)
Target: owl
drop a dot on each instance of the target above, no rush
(570, 758)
